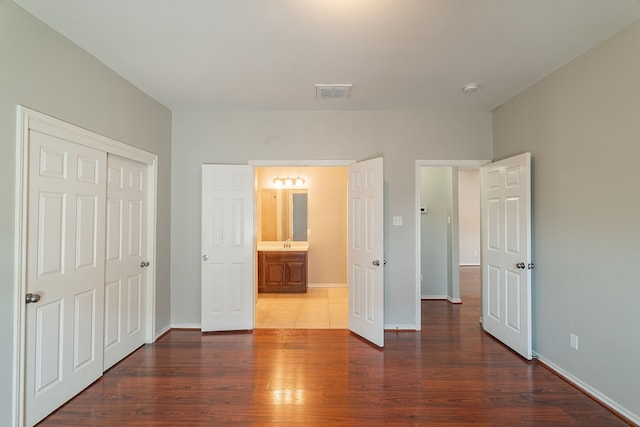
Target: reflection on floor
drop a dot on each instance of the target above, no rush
(319, 308)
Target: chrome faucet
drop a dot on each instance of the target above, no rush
(287, 244)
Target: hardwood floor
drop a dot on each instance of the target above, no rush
(449, 374)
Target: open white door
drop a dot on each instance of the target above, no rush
(228, 253)
(506, 251)
(366, 250)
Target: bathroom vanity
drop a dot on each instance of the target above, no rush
(282, 268)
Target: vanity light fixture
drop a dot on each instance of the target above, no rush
(288, 182)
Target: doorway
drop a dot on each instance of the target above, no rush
(324, 304)
(447, 227)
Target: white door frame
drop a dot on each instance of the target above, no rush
(30, 119)
(418, 249)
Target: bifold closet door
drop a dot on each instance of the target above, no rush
(65, 271)
(126, 262)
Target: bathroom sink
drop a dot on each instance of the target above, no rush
(283, 246)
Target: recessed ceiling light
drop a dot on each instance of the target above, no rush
(470, 87)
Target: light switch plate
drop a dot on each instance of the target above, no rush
(397, 220)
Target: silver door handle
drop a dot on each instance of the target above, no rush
(376, 263)
(144, 264)
(205, 257)
(521, 265)
(32, 298)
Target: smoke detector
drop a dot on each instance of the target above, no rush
(470, 87)
(327, 91)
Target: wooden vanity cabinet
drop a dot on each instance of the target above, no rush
(282, 271)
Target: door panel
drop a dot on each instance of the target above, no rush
(228, 249)
(65, 266)
(366, 250)
(506, 251)
(125, 303)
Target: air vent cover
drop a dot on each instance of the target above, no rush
(326, 91)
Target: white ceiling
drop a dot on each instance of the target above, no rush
(193, 55)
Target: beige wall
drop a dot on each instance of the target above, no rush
(582, 127)
(327, 218)
(44, 71)
(469, 216)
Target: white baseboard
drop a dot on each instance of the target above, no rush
(162, 332)
(399, 327)
(326, 285)
(634, 418)
(186, 326)
(433, 297)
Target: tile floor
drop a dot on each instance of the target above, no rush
(319, 308)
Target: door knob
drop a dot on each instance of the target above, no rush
(144, 264)
(205, 257)
(376, 263)
(521, 265)
(32, 298)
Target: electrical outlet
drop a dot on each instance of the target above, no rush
(573, 341)
(397, 220)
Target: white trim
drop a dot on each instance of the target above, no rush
(597, 395)
(20, 267)
(434, 297)
(152, 217)
(454, 300)
(399, 327)
(197, 326)
(30, 119)
(301, 162)
(327, 285)
(419, 164)
(162, 332)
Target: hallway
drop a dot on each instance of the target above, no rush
(449, 374)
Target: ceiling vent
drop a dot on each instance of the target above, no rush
(327, 91)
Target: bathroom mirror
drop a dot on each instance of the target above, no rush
(283, 214)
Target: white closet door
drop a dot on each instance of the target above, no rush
(65, 268)
(126, 262)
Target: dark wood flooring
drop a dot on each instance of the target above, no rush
(449, 374)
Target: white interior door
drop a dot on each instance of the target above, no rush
(126, 262)
(506, 251)
(228, 248)
(366, 250)
(65, 268)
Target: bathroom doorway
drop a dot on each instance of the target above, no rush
(324, 305)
